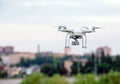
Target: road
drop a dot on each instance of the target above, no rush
(10, 81)
(17, 81)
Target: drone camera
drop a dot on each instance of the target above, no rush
(59, 28)
(65, 28)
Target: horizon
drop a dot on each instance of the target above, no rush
(39, 51)
(27, 23)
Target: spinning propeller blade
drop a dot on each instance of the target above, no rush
(97, 27)
(85, 27)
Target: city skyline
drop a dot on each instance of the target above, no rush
(27, 23)
(7, 50)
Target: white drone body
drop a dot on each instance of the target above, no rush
(77, 33)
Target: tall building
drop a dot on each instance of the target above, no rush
(38, 49)
(39, 53)
(103, 50)
(8, 50)
(68, 51)
(1, 50)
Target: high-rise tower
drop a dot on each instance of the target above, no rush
(38, 51)
(38, 48)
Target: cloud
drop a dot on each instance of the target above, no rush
(47, 20)
(24, 21)
(65, 3)
(111, 1)
(32, 3)
(18, 31)
(24, 36)
(63, 7)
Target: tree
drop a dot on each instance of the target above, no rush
(35, 78)
(103, 68)
(90, 65)
(48, 69)
(61, 69)
(77, 68)
(24, 62)
(116, 66)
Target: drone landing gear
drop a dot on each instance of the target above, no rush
(76, 42)
(84, 41)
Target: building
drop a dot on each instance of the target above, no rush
(1, 50)
(103, 51)
(68, 51)
(38, 51)
(15, 58)
(8, 50)
(14, 71)
(67, 65)
(44, 54)
(58, 55)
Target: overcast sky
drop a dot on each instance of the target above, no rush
(27, 23)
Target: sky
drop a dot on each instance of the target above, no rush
(26, 23)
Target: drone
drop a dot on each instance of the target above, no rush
(76, 34)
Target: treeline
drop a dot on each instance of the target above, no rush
(41, 60)
(37, 78)
(98, 65)
(50, 65)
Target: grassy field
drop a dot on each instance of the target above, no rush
(37, 78)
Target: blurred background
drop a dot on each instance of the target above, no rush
(30, 41)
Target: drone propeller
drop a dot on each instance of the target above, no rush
(97, 27)
(85, 27)
(92, 27)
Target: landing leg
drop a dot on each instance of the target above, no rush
(85, 41)
(67, 43)
(82, 41)
(67, 40)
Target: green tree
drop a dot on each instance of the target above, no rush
(77, 68)
(103, 68)
(48, 69)
(61, 69)
(90, 65)
(35, 78)
(116, 66)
